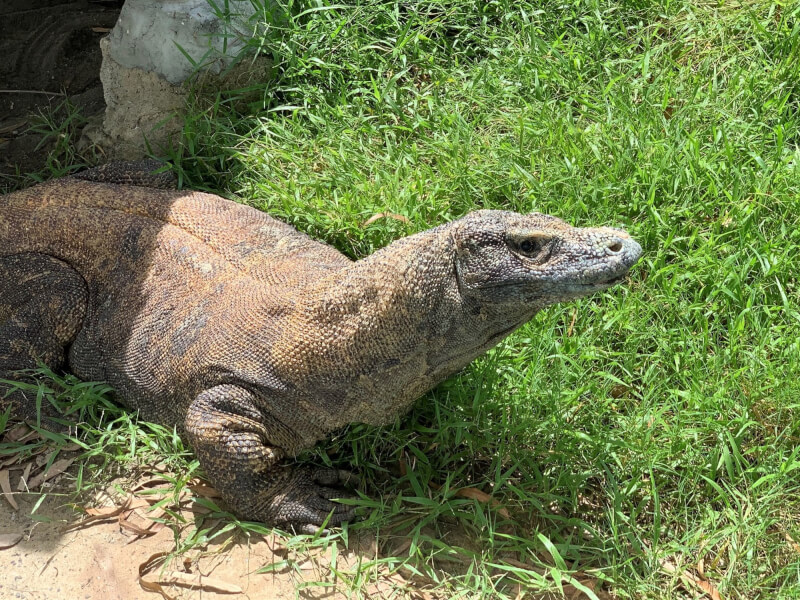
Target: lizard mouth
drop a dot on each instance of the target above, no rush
(603, 283)
(614, 280)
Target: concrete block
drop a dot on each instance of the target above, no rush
(150, 34)
(146, 75)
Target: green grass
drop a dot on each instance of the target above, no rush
(657, 423)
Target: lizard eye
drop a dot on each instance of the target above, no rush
(537, 247)
(530, 246)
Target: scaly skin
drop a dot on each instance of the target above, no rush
(251, 338)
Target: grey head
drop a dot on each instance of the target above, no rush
(507, 258)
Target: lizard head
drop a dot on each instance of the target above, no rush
(508, 258)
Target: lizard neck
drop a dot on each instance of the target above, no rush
(388, 301)
(379, 333)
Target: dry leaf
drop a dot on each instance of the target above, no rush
(7, 540)
(134, 528)
(23, 481)
(521, 565)
(98, 515)
(795, 546)
(56, 468)
(146, 567)
(17, 433)
(402, 548)
(385, 215)
(692, 582)
(197, 581)
(571, 327)
(668, 566)
(151, 527)
(151, 483)
(196, 509)
(570, 591)
(194, 581)
(155, 513)
(104, 512)
(475, 494)
(151, 516)
(574, 593)
(708, 587)
(5, 487)
(204, 491)
(13, 126)
(424, 595)
(113, 511)
(126, 521)
(31, 435)
(8, 461)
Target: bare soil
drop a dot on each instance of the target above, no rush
(51, 53)
(118, 552)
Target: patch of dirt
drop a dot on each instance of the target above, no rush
(140, 537)
(103, 561)
(122, 542)
(51, 52)
(62, 555)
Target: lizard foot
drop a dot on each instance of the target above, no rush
(310, 497)
(231, 437)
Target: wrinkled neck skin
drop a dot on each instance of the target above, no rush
(394, 324)
(423, 286)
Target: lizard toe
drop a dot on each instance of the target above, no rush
(313, 511)
(312, 499)
(336, 477)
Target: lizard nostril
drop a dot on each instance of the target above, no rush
(615, 246)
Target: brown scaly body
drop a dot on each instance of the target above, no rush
(255, 340)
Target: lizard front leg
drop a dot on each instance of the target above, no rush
(235, 444)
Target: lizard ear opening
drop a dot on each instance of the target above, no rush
(472, 237)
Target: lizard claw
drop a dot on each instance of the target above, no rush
(332, 477)
(309, 529)
(310, 499)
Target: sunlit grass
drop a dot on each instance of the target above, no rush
(653, 426)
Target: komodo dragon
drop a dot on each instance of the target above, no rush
(255, 340)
